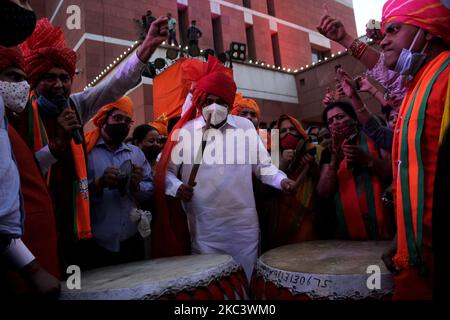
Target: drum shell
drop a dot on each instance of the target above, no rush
(194, 277)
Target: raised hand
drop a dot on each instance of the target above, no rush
(329, 97)
(158, 31)
(366, 86)
(330, 27)
(157, 34)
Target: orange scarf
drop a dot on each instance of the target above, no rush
(82, 225)
(408, 166)
(350, 207)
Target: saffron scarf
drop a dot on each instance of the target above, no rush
(408, 166)
(82, 225)
(350, 207)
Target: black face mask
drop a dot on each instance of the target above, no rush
(16, 23)
(151, 152)
(117, 132)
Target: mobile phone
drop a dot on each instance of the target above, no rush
(352, 139)
(312, 151)
(357, 83)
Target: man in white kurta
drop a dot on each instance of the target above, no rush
(221, 214)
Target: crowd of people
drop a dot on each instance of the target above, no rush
(111, 196)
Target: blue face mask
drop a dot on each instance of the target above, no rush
(409, 63)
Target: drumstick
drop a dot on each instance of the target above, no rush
(199, 156)
(297, 154)
(301, 177)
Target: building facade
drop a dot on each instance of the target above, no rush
(280, 36)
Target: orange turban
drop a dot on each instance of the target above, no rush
(240, 103)
(160, 124)
(124, 104)
(10, 57)
(46, 49)
(430, 15)
(294, 122)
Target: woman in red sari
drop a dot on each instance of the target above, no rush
(293, 219)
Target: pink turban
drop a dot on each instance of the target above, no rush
(430, 15)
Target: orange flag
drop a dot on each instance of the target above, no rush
(171, 87)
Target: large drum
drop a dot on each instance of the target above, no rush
(199, 277)
(326, 270)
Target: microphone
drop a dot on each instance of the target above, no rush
(76, 135)
(63, 103)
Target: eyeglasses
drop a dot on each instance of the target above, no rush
(51, 77)
(121, 118)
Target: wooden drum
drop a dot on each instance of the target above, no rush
(328, 270)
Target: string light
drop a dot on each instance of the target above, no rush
(262, 64)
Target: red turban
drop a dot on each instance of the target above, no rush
(240, 103)
(219, 84)
(124, 104)
(430, 15)
(10, 57)
(46, 49)
(218, 81)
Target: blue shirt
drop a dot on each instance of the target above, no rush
(110, 210)
(11, 210)
(171, 24)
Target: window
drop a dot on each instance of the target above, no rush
(271, 7)
(317, 55)
(217, 34)
(247, 3)
(276, 50)
(251, 47)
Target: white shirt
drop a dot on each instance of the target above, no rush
(222, 216)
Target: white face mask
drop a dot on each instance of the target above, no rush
(15, 95)
(218, 113)
(409, 63)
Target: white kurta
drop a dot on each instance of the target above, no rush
(222, 216)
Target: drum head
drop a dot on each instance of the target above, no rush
(150, 279)
(328, 257)
(328, 269)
